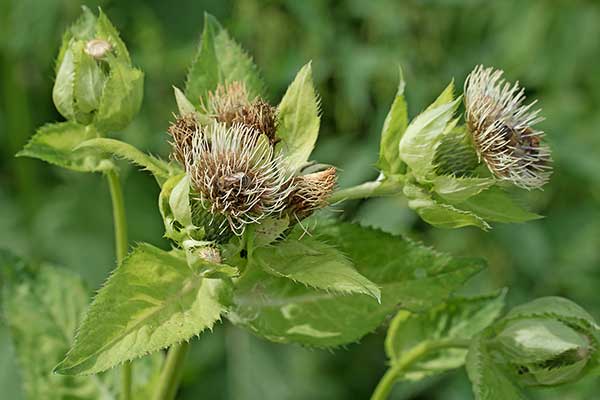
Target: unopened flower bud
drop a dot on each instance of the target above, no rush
(311, 191)
(97, 48)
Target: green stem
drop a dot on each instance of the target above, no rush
(385, 385)
(366, 190)
(171, 373)
(120, 224)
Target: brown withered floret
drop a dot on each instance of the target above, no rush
(231, 105)
(311, 192)
(182, 132)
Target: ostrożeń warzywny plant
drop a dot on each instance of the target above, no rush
(241, 207)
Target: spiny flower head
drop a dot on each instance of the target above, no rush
(230, 104)
(236, 174)
(311, 191)
(503, 132)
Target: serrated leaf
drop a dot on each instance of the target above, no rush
(494, 204)
(488, 379)
(393, 128)
(121, 98)
(42, 312)
(298, 117)
(159, 168)
(42, 308)
(220, 60)
(106, 30)
(57, 144)
(424, 133)
(407, 274)
(270, 229)
(152, 301)
(314, 263)
(458, 318)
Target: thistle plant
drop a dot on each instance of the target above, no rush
(250, 241)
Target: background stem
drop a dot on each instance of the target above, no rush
(385, 385)
(121, 243)
(171, 373)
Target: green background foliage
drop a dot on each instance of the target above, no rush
(47, 213)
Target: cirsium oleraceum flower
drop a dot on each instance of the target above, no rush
(502, 128)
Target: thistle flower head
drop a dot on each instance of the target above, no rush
(230, 104)
(236, 174)
(311, 192)
(503, 132)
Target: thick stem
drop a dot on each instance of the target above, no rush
(385, 385)
(366, 190)
(171, 373)
(120, 224)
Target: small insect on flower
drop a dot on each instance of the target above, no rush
(97, 48)
(503, 130)
(231, 104)
(236, 174)
(311, 192)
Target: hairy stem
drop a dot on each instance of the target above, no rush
(366, 190)
(120, 224)
(385, 385)
(171, 373)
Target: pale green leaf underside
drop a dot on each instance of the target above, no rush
(159, 168)
(56, 144)
(153, 300)
(408, 275)
(298, 116)
(496, 205)
(458, 318)
(314, 263)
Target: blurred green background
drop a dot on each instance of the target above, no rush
(552, 47)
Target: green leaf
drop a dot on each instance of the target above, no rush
(458, 189)
(88, 82)
(407, 274)
(220, 60)
(184, 105)
(105, 30)
(42, 307)
(553, 307)
(152, 301)
(121, 98)
(314, 263)
(298, 116)
(458, 318)
(489, 380)
(536, 340)
(62, 91)
(393, 128)
(425, 132)
(58, 144)
(439, 214)
(494, 204)
(179, 201)
(269, 230)
(159, 168)
(42, 312)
